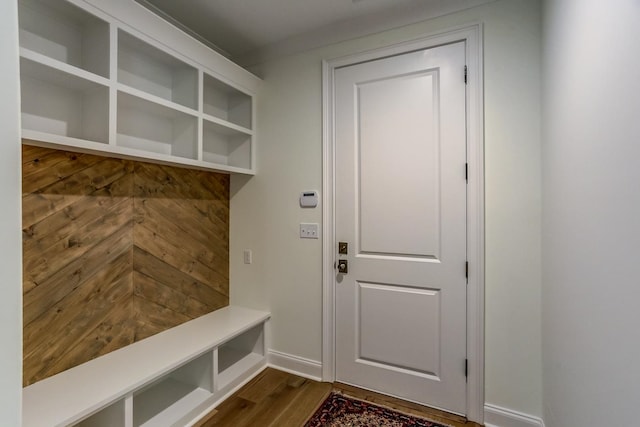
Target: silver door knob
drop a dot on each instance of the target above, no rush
(343, 266)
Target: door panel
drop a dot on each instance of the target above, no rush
(401, 201)
(398, 107)
(378, 338)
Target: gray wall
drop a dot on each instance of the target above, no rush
(286, 274)
(591, 226)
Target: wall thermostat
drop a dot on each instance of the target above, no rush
(309, 199)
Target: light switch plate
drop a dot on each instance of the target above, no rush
(308, 230)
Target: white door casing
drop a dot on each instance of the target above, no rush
(404, 265)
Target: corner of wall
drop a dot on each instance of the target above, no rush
(10, 219)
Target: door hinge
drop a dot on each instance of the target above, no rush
(465, 74)
(466, 269)
(466, 172)
(466, 368)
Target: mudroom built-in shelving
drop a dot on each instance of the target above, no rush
(95, 82)
(109, 77)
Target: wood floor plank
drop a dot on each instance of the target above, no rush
(232, 412)
(207, 418)
(268, 409)
(279, 399)
(263, 385)
(310, 396)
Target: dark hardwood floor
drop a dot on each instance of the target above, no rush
(279, 399)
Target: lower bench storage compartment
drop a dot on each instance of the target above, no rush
(112, 416)
(239, 355)
(170, 379)
(183, 393)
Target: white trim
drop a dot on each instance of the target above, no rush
(496, 416)
(472, 36)
(300, 366)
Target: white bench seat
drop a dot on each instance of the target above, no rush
(169, 377)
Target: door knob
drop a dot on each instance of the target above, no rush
(343, 266)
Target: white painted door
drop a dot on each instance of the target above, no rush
(401, 207)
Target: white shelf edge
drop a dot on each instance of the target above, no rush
(60, 142)
(63, 66)
(51, 140)
(121, 87)
(227, 124)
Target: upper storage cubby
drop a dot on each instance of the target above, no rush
(62, 104)
(227, 103)
(149, 69)
(64, 32)
(112, 78)
(153, 128)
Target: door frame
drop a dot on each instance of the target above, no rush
(472, 36)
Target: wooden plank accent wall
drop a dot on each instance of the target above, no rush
(115, 251)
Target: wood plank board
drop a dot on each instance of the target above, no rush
(160, 233)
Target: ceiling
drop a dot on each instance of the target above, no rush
(238, 28)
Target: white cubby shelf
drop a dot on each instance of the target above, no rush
(111, 78)
(173, 378)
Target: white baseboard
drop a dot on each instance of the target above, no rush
(307, 368)
(496, 416)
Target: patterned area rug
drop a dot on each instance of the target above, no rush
(339, 410)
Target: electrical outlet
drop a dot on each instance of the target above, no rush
(248, 256)
(308, 231)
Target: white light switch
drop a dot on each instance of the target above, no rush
(248, 256)
(308, 231)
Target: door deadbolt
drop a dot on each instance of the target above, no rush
(343, 266)
(343, 248)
